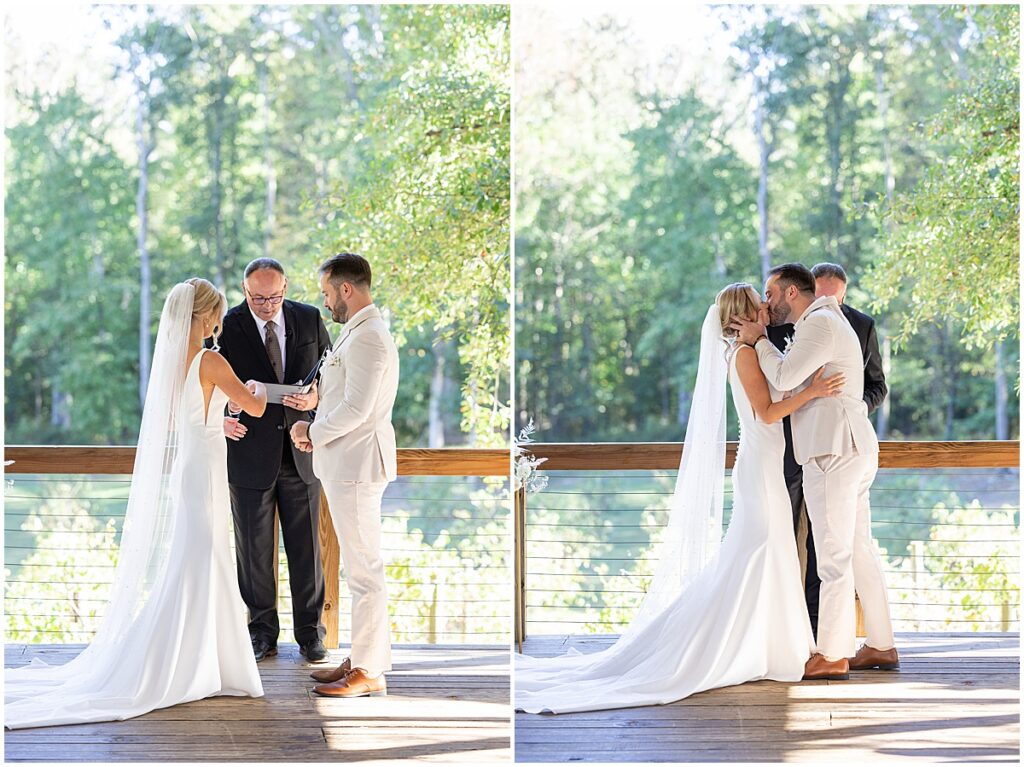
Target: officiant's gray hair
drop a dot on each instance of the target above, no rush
(264, 263)
(347, 267)
(825, 269)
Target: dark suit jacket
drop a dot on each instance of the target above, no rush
(875, 388)
(255, 460)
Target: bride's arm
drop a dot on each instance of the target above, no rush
(756, 387)
(252, 398)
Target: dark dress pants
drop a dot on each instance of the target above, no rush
(298, 506)
(794, 474)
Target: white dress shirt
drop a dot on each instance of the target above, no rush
(278, 320)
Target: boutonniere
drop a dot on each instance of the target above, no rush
(789, 342)
(332, 361)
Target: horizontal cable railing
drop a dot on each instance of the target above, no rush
(945, 518)
(445, 543)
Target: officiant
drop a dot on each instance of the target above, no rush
(274, 340)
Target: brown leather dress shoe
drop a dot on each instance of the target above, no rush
(355, 684)
(869, 657)
(333, 674)
(817, 667)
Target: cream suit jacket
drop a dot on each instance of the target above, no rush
(823, 337)
(352, 435)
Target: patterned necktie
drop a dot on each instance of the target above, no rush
(274, 350)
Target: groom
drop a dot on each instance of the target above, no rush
(836, 445)
(354, 456)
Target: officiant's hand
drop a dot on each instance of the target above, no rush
(748, 331)
(300, 436)
(234, 429)
(303, 402)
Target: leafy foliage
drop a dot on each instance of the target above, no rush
(293, 132)
(955, 246)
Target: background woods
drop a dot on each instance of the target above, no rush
(652, 170)
(176, 141)
(149, 144)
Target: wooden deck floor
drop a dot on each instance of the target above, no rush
(444, 703)
(955, 698)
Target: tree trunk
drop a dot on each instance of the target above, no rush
(1002, 394)
(834, 128)
(762, 184)
(883, 112)
(435, 408)
(60, 415)
(949, 355)
(684, 399)
(216, 136)
(882, 424)
(268, 166)
(145, 279)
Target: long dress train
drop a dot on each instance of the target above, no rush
(741, 619)
(190, 639)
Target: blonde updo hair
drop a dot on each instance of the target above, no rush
(738, 299)
(208, 299)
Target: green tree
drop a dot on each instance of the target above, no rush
(954, 250)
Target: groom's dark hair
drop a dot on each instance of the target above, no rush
(793, 274)
(347, 267)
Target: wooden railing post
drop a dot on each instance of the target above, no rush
(330, 558)
(519, 516)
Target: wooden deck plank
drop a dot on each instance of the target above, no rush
(956, 698)
(445, 703)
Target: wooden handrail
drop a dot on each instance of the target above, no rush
(75, 459)
(459, 462)
(654, 456)
(635, 456)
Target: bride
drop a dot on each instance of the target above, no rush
(175, 628)
(719, 611)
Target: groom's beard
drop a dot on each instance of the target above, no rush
(340, 313)
(779, 314)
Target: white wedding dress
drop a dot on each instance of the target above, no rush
(186, 637)
(741, 618)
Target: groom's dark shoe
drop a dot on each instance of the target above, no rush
(334, 674)
(818, 667)
(869, 657)
(261, 648)
(313, 650)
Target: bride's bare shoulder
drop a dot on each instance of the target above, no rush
(746, 359)
(212, 366)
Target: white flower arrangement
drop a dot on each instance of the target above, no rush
(332, 361)
(527, 476)
(789, 342)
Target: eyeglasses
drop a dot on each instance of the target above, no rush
(261, 300)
